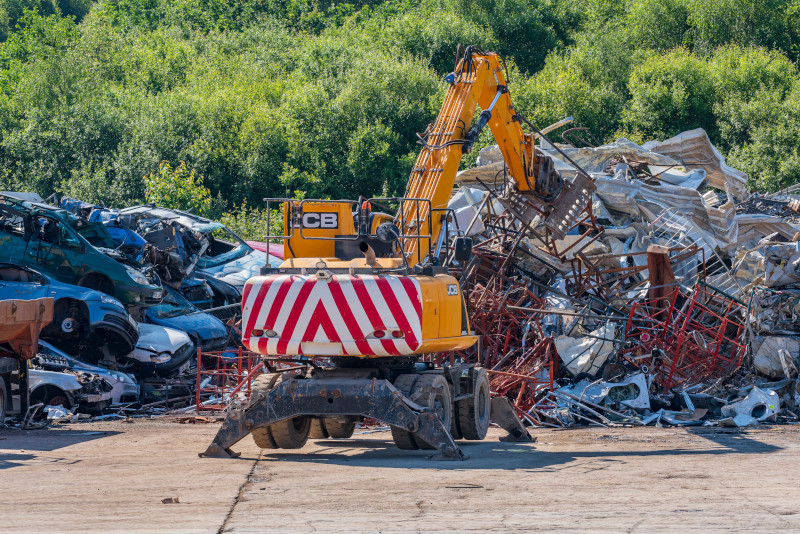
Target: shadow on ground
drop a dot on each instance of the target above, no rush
(16, 445)
(508, 456)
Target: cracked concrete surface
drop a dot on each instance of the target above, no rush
(637, 480)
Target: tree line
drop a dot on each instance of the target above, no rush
(263, 98)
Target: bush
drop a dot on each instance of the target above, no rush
(268, 97)
(250, 223)
(716, 23)
(670, 94)
(657, 24)
(177, 189)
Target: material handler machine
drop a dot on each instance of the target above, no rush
(362, 294)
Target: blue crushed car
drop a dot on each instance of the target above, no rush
(213, 249)
(205, 330)
(178, 253)
(72, 250)
(83, 319)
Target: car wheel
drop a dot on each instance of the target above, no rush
(49, 395)
(68, 327)
(59, 399)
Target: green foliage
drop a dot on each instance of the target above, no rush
(588, 82)
(268, 98)
(525, 30)
(743, 22)
(751, 84)
(177, 188)
(15, 9)
(433, 32)
(771, 155)
(250, 223)
(670, 94)
(657, 24)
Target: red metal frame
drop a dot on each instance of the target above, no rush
(229, 376)
(701, 336)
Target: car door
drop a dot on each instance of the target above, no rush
(15, 230)
(54, 249)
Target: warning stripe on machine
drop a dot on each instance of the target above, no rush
(337, 315)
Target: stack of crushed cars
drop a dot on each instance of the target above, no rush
(135, 292)
(672, 298)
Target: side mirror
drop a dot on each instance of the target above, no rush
(463, 248)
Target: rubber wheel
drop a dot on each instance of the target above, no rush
(68, 328)
(260, 387)
(474, 413)
(432, 391)
(339, 430)
(318, 430)
(291, 433)
(403, 438)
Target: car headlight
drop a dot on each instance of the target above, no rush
(160, 358)
(137, 276)
(122, 377)
(111, 300)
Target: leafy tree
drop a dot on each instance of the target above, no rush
(670, 94)
(771, 154)
(716, 23)
(324, 98)
(657, 24)
(177, 188)
(15, 9)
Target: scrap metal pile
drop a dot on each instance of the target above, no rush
(671, 297)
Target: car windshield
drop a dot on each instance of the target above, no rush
(235, 252)
(94, 233)
(172, 305)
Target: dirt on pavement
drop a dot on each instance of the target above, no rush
(113, 476)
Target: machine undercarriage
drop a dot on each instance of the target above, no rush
(426, 407)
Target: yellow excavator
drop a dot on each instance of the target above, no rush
(363, 293)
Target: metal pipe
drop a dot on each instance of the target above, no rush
(369, 254)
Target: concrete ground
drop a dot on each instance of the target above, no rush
(112, 476)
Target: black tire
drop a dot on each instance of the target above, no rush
(432, 391)
(261, 386)
(69, 327)
(474, 413)
(339, 430)
(318, 430)
(403, 438)
(291, 433)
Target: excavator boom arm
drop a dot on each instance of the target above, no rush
(478, 81)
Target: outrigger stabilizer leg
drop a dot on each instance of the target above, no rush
(373, 398)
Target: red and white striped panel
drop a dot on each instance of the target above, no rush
(334, 316)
